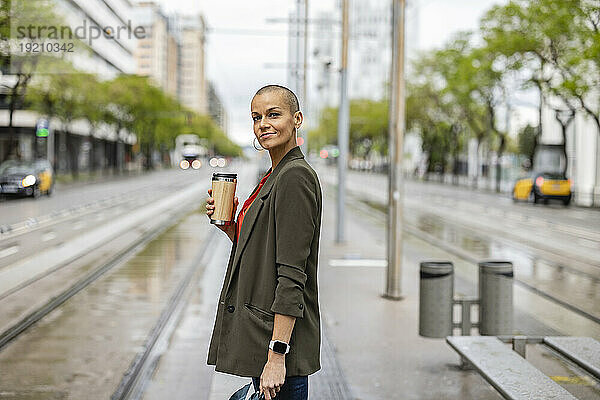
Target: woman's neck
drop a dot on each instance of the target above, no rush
(279, 152)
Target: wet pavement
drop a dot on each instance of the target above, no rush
(86, 345)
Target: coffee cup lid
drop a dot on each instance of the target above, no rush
(223, 175)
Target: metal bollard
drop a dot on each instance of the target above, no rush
(435, 299)
(495, 298)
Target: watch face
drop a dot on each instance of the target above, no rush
(279, 347)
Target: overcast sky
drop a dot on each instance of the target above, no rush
(241, 41)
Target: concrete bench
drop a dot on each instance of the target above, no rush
(509, 373)
(583, 351)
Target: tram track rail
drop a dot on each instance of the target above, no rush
(12, 332)
(57, 216)
(32, 224)
(506, 236)
(35, 234)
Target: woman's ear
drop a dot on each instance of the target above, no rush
(298, 118)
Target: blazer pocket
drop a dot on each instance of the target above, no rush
(265, 316)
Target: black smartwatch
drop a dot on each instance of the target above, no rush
(279, 347)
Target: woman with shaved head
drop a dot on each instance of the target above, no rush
(267, 325)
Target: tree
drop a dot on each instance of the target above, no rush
(511, 30)
(62, 96)
(326, 132)
(578, 62)
(368, 128)
(527, 141)
(555, 43)
(442, 98)
(487, 78)
(126, 102)
(21, 68)
(145, 110)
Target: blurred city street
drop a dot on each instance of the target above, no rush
(457, 149)
(88, 343)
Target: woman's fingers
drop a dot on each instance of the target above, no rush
(270, 392)
(210, 204)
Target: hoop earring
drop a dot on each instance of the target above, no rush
(254, 145)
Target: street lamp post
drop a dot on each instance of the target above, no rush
(343, 127)
(304, 74)
(393, 288)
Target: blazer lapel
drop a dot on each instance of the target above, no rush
(257, 204)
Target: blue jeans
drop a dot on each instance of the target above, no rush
(294, 388)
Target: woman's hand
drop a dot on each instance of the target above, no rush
(210, 209)
(273, 375)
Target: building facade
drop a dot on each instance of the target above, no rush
(173, 54)
(152, 54)
(216, 110)
(78, 146)
(194, 93)
(108, 56)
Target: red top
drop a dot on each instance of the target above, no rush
(248, 203)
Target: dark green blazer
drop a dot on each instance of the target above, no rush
(272, 269)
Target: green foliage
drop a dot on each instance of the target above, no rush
(326, 131)
(368, 128)
(126, 102)
(556, 43)
(61, 95)
(526, 142)
(453, 92)
(369, 123)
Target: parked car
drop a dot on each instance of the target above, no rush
(543, 187)
(22, 178)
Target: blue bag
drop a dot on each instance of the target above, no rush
(241, 394)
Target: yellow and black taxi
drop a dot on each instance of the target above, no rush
(26, 178)
(543, 186)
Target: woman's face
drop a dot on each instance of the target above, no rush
(273, 121)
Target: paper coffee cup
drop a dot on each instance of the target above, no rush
(223, 192)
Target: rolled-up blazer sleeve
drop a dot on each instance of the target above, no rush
(296, 213)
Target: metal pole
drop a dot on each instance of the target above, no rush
(343, 127)
(395, 150)
(304, 146)
(50, 150)
(297, 66)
